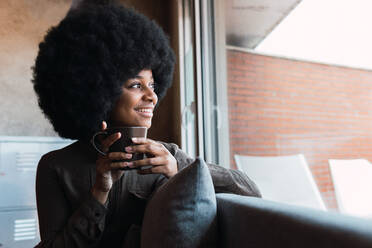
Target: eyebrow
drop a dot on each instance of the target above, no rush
(140, 77)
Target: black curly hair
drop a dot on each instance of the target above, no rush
(84, 61)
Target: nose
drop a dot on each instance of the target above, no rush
(150, 95)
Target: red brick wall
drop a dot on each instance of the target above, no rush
(280, 107)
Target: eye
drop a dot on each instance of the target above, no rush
(135, 85)
(152, 85)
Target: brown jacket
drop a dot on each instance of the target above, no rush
(70, 217)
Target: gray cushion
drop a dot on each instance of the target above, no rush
(183, 212)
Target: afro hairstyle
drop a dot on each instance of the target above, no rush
(84, 61)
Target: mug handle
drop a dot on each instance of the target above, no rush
(93, 141)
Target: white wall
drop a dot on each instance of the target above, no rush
(23, 24)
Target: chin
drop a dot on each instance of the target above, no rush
(148, 125)
(144, 124)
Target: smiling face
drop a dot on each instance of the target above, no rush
(136, 104)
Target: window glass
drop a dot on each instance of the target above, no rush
(298, 80)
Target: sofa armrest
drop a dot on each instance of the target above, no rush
(253, 222)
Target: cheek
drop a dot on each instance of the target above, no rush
(120, 106)
(127, 99)
(125, 107)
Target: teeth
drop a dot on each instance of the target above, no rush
(144, 110)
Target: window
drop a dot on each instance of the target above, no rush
(255, 94)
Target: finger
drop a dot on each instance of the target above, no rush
(156, 161)
(106, 143)
(117, 165)
(104, 125)
(119, 155)
(155, 149)
(142, 140)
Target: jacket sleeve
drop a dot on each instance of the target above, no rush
(224, 180)
(60, 226)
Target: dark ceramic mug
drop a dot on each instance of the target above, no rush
(127, 133)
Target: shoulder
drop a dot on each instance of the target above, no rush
(56, 155)
(69, 155)
(183, 159)
(171, 147)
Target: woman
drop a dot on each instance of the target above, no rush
(105, 66)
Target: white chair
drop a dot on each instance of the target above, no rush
(352, 180)
(285, 179)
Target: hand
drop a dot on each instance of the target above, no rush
(108, 171)
(160, 158)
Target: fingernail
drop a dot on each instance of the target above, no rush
(129, 164)
(134, 139)
(128, 155)
(128, 149)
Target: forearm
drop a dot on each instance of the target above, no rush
(99, 195)
(224, 180)
(61, 224)
(83, 228)
(232, 181)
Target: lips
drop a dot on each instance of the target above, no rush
(145, 111)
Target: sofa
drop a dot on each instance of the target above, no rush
(254, 222)
(186, 212)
